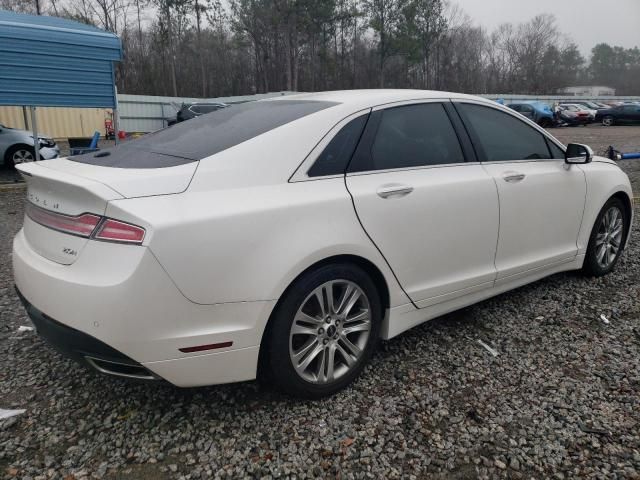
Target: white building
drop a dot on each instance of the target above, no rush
(588, 91)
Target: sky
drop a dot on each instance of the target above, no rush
(586, 22)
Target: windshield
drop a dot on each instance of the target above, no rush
(205, 135)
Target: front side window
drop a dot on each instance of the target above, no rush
(556, 151)
(501, 136)
(411, 136)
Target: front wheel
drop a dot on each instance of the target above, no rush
(607, 239)
(19, 154)
(607, 121)
(324, 331)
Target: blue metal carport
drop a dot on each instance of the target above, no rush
(55, 62)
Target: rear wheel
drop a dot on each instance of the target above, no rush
(546, 123)
(607, 239)
(19, 154)
(608, 121)
(324, 331)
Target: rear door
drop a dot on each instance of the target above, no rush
(541, 198)
(433, 215)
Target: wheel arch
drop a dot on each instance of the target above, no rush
(367, 265)
(9, 151)
(628, 206)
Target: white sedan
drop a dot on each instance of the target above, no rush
(283, 238)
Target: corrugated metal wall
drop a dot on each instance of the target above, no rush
(59, 123)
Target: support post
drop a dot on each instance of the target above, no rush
(34, 124)
(115, 126)
(25, 118)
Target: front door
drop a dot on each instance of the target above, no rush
(541, 198)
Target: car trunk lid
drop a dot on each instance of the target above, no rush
(61, 193)
(67, 196)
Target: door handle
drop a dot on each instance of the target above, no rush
(513, 177)
(394, 191)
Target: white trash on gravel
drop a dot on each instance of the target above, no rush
(489, 349)
(604, 319)
(22, 328)
(4, 414)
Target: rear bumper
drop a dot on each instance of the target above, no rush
(117, 303)
(83, 348)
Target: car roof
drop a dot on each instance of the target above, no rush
(367, 98)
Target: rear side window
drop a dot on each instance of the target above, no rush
(411, 136)
(501, 136)
(205, 135)
(335, 157)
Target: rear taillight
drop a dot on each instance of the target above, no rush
(81, 225)
(87, 225)
(115, 231)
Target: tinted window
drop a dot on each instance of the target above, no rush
(204, 135)
(335, 157)
(556, 151)
(527, 108)
(516, 107)
(411, 136)
(501, 136)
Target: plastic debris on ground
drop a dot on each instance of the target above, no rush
(10, 413)
(604, 319)
(22, 328)
(489, 349)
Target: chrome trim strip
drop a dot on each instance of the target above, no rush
(92, 361)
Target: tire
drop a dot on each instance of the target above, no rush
(608, 121)
(323, 334)
(606, 242)
(546, 123)
(19, 154)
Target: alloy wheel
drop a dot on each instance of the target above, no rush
(330, 331)
(607, 121)
(609, 237)
(21, 156)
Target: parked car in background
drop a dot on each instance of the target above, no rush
(589, 105)
(622, 114)
(572, 115)
(591, 111)
(17, 146)
(285, 237)
(193, 110)
(539, 112)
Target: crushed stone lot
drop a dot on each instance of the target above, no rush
(561, 399)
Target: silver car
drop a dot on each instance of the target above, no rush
(17, 146)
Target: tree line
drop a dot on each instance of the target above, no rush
(206, 48)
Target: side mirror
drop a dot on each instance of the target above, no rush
(578, 153)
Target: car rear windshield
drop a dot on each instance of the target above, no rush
(203, 136)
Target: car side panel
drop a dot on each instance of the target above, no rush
(249, 244)
(604, 179)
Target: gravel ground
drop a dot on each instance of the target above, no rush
(561, 400)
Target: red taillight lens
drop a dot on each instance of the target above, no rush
(81, 225)
(114, 231)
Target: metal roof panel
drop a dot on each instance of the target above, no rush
(50, 61)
